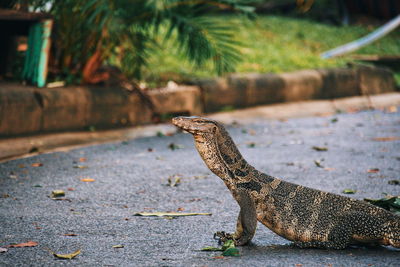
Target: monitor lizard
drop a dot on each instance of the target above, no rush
(306, 216)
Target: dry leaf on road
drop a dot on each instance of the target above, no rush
(88, 180)
(384, 139)
(23, 245)
(67, 256)
(168, 214)
(374, 170)
(37, 164)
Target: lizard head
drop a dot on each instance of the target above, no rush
(196, 125)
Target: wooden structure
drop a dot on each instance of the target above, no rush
(35, 26)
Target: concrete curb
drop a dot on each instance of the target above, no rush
(11, 148)
(29, 110)
(246, 90)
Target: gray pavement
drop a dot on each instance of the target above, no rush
(131, 176)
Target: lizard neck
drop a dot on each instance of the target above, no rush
(222, 157)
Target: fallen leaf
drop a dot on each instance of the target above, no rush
(391, 109)
(174, 146)
(37, 185)
(2, 250)
(218, 257)
(251, 144)
(374, 170)
(23, 245)
(180, 209)
(80, 167)
(318, 163)
(57, 193)
(329, 169)
(320, 148)
(174, 180)
(61, 198)
(394, 182)
(168, 214)
(67, 256)
(71, 234)
(70, 189)
(82, 159)
(349, 191)
(252, 132)
(211, 249)
(384, 139)
(233, 252)
(21, 166)
(390, 203)
(118, 246)
(228, 244)
(37, 164)
(88, 180)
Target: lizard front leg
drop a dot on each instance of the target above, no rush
(246, 224)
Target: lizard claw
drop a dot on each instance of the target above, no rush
(222, 237)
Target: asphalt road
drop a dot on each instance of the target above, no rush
(132, 176)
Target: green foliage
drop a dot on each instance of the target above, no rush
(274, 44)
(127, 32)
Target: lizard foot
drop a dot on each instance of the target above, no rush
(222, 237)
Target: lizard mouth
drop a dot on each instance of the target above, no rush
(186, 123)
(181, 123)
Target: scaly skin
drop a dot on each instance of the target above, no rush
(309, 217)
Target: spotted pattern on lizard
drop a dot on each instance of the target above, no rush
(306, 216)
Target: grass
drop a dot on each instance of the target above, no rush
(273, 44)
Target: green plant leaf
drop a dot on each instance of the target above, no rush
(232, 251)
(349, 191)
(57, 193)
(320, 148)
(228, 244)
(391, 203)
(211, 249)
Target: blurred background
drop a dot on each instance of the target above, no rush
(136, 46)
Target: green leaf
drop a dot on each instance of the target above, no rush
(251, 145)
(228, 244)
(391, 203)
(57, 193)
(320, 148)
(211, 249)
(231, 252)
(318, 163)
(349, 191)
